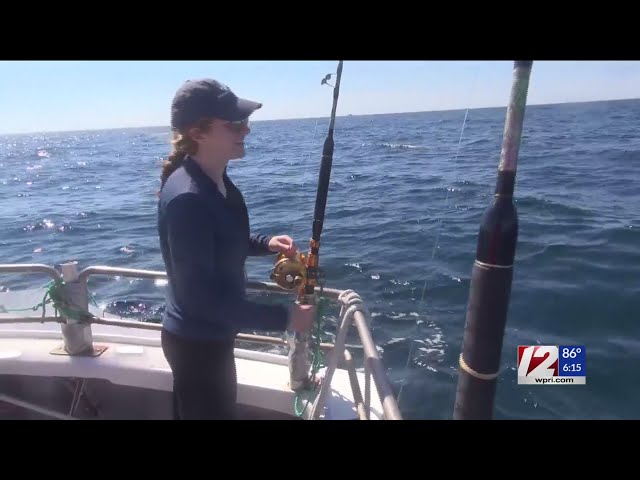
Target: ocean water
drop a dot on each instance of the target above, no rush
(406, 196)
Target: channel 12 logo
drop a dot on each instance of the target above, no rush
(552, 365)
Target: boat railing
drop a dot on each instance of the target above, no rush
(78, 338)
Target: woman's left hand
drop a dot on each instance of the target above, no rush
(283, 244)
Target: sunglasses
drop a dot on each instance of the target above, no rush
(238, 125)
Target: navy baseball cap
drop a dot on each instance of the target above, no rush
(208, 98)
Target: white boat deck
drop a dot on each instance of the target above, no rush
(131, 356)
(134, 358)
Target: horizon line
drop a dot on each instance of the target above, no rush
(2, 134)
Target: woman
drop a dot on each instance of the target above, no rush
(205, 238)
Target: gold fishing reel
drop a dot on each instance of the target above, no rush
(289, 273)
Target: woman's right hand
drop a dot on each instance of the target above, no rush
(301, 317)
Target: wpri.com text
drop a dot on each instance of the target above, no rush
(551, 365)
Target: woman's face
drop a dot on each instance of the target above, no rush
(223, 139)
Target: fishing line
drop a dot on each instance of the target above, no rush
(442, 216)
(307, 156)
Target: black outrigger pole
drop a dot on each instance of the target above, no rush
(303, 272)
(492, 273)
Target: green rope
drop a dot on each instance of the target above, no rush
(317, 361)
(34, 308)
(54, 294)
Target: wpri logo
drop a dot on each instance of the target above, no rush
(538, 364)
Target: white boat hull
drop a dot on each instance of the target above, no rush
(135, 359)
(128, 377)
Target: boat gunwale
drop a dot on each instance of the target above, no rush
(373, 366)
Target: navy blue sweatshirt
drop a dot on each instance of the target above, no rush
(205, 239)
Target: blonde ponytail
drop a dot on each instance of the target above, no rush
(182, 145)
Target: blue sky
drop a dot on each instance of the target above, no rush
(59, 96)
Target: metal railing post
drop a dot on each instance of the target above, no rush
(77, 336)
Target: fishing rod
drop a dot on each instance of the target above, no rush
(303, 271)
